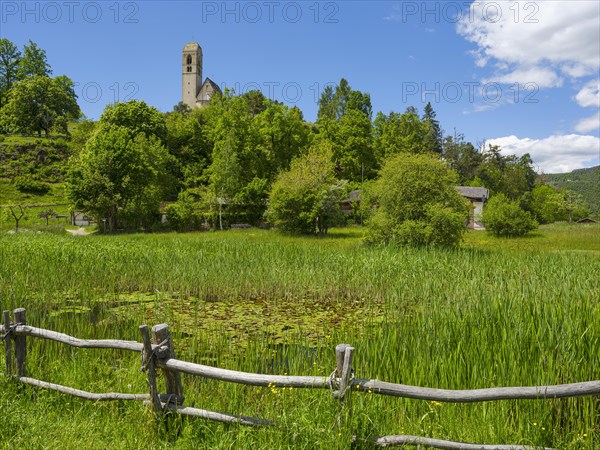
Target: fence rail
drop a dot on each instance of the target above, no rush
(158, 352)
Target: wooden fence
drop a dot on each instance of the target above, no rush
(158, 353)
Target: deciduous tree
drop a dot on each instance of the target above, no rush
(117, 177)
(504, 217)
(417, 203)
(306, 199)
(33, 62)
(9, 65)
(39, 103)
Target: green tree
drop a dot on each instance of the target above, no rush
(226, 175)
(417, 203)
(181, 108)
(185, 213)
(118, 178)
(137, 117)
(306, 199)
(574, 205)
(33, 63)
(433, 132)
(327, 107)
(352, 139)
(508, 175)
(282, 135)
(504, 217)
(400, 133)
(464, 158)
(545, 203)
(40, 103)
(334, 103)
(187, 141)
(82, 131)
(9, 66)
(256, 101)
(230, 131)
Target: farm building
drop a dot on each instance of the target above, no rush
(477, 196)
(80, 219)
(347, 203)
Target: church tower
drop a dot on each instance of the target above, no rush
(191, 78)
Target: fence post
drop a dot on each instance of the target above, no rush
(161, 335)
(7, 343)
(20, 342)
(148, 365)
(343, 360)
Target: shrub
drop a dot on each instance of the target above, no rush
(184, 214)
(417, 203)
(29, 185)
(504, 217)
(306, 199)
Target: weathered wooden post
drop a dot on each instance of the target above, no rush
(161, 336)
(7, 343)
(343, 370)
(148, 366)
(20, 342)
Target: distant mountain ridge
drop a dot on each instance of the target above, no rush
(585, 182)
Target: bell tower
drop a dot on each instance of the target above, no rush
(191, 78)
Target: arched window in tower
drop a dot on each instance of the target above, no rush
(189, 69)
(189, 59)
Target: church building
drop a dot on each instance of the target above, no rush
(194, 92)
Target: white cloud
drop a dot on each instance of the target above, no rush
(543, 77)
(589, 95)
(554, 154)
(527, 41)
(588, 124)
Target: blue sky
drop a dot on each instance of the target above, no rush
(520, 74)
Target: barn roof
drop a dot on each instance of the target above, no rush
(353, 196)
(473, 192)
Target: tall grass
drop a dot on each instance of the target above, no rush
(261, 302)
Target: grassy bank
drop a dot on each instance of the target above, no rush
(495, 313)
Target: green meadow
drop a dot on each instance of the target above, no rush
(495, 312)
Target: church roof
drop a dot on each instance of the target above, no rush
(208, 82)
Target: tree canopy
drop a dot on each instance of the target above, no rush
(118, 179)
(417, 203)
(306, 198)
(30, 100)
(40, 103)
(137, 117)
(9, 66)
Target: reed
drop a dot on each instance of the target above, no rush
(485, 315)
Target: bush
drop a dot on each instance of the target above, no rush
(504, 217)
(306, 199)
(29, 185)
(417, 203)
(184, 214)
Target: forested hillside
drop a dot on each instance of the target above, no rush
(585, 182)
(218, 165)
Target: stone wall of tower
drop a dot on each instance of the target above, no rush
(191, 78)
